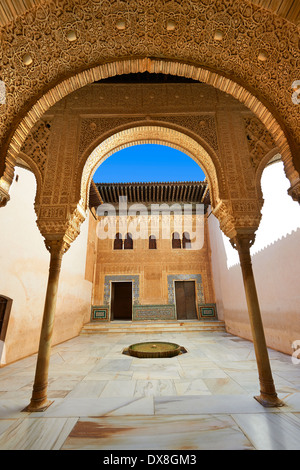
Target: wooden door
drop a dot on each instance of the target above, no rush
(185, 300)
(121, 301)
(3, 305)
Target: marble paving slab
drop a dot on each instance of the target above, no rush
(146, 388)
(13, 408)
(183, 405)
(88, 389)
(155, 433)
(271, 431)
(79, 407)
(36, 434)
(191, 387)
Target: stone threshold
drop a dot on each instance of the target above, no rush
(149, 326)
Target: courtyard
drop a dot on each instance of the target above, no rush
(106, 400)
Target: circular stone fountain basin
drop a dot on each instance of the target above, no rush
(154, 349)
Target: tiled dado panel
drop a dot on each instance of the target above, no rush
(207, 312)
(153, 312)
(99, 313)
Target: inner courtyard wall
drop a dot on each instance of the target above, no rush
(155, 271)
(24, 264)
(277, 283)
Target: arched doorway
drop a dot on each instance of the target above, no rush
(161, 203)
(152, 134)
(159, 133)
(5, 308)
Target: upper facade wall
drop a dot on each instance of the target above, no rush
(154, 270)
(233, 45)
(61, 142)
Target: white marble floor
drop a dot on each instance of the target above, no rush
(106, 400)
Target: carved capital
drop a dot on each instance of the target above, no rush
(56, 247)
(247, 213)
(75, 219)
(294, 191)
(238, 217)
(59, 224)
(242, 242)
(223, 213)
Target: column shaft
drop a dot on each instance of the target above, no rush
(39, 400)
(268, 396)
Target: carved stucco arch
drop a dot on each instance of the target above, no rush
(144, 135)
(153, 66)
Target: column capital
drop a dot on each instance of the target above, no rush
(223, 212)
(243, 240)
(294, 191)
(238, 218)
(57, 247)
(59, 225)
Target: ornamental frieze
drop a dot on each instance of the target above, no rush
(245, 206)
(52, 212)
(55, 40)
(202, 125)
(36, 144)
(259, 140)
(60, 221)
(93, 128)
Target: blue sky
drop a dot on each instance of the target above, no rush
(148, 163)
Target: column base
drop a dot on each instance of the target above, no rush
(34, 407)
(269, 401)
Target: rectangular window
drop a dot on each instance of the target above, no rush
(118, 242)
(128, 242)
(152, 242)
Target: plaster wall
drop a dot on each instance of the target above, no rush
(24, 264)
(277, 270)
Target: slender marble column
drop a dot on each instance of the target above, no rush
(39, 400)
(268, 396)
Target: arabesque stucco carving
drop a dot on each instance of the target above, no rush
(256, 48)
(209, 41)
